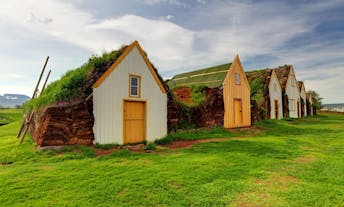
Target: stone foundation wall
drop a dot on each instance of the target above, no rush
(210, 113)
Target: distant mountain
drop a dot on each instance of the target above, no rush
(333, 107)
(12, 100)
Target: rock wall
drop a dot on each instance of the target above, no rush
(64, 123)
(183, 95)
(178, 114)
(255, 112)
(210, 112)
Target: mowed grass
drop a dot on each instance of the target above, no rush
(284, 163)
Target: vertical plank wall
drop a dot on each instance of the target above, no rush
(109, 97)
(275, 94)
(233, 91)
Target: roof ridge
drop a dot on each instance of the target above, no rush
(207, 68)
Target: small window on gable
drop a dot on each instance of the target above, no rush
(237, 78)
(292, 80)
(275, 87)
(134, 86)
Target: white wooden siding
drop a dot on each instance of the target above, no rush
(303, 96)
(275, 94)
(293, 94)
(108, 101)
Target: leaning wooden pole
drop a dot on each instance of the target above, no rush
(34, 94)
(31, 115)
(26, 128)
(45, 82)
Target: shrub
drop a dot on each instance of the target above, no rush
(150, 146)
(164, 141)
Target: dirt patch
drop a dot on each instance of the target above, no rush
(46, 168)
(260, 196)
(278, 181)
(189, 143)
(5, 163)
(252, 199)
(174, 184)
(100, 152)
(139, 148)
(305, 160)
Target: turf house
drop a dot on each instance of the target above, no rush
(266, 91)
(290, 91)
(117, 98)
(309, 103)
(303, 98)
(216, 96)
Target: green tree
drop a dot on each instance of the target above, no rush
(316, 99)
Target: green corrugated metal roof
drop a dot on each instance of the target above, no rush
(210, 77)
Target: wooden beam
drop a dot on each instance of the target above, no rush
(45, 82)
(26, 128)
(34, 93)
(31, 115)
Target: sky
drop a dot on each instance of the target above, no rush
(178, 36)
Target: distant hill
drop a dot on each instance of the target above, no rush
(12, 100)
(333, 107)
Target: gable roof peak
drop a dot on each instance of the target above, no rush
(150, 66)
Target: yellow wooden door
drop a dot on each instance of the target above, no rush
(134, 122)
(238, 111)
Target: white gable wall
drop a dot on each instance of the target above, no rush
(275, 94)
(293, 93)
(303, 96)
(108, 99)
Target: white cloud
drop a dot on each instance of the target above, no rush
(244, 28)
(171, 2)
(167, 17)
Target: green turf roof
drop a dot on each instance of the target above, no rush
(210, 77)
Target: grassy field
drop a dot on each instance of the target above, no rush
(278, 163)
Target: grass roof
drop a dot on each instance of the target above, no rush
(75, 83)
(259, 82)
(210, 77)
(282, 73)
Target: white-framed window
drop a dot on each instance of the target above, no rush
(134, 85)
(237, 78)
(292, 104)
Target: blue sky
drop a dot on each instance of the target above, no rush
(177, 35)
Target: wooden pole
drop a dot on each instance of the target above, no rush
(31, 115)
(34, 94)
(40, 77)
(27, 128)
(45, 82)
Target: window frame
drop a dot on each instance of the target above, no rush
(292, 81)
(237, 78)
(138, 95)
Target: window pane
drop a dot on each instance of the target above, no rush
(134, 81)
(133, 91)
(237, 78)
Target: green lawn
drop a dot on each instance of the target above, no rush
(288, 163)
